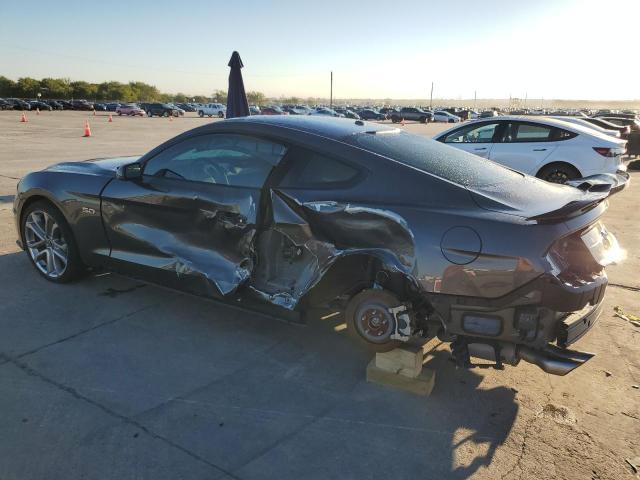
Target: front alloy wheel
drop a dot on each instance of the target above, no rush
(49, 243)
(46, 244)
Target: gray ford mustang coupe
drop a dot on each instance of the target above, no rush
(411, 238)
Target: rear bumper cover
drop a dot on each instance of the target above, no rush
(575, 325)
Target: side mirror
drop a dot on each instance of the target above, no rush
(132, 171)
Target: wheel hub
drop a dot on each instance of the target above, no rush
(557, 176)
(375, 322)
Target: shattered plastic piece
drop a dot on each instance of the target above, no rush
(627, 317)
(634, 463)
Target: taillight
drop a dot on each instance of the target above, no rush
(604, 151)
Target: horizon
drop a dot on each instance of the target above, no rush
(503, 50)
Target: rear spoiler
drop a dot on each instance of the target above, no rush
(609, 183)
(600, 187)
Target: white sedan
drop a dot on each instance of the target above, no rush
(547, 148)
(444, 116)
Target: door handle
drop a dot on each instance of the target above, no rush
(478, 149)
(539, 149)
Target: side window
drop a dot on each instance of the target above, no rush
(473, 134)
(560, 134)
(312, 170)
(222, 159)
(526, 132)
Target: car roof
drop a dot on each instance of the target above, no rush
(328, 127)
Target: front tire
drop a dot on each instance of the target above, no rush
(49, 243)
(220, 115)
(201, 114)
(369, 321)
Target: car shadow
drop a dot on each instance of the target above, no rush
(7, 198)
(238, 368)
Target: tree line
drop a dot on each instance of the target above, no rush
(64, 89)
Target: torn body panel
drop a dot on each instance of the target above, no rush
(306, 239)
(193, 237)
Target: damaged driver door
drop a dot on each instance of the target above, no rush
(189, 222)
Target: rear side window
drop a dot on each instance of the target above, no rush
(526, 132)
(559, 134)
(313, 170)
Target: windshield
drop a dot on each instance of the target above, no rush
(435, 158)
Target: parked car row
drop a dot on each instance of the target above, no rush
(21, 104)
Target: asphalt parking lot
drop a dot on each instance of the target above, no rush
(110, 378)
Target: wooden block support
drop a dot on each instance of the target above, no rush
(402, 368)
(405, 360)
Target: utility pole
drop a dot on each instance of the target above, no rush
(475, 98)
(431, 98)
(331, 92)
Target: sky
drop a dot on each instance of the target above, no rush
(562, 49)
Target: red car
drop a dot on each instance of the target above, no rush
(272, 111)
(130, 110)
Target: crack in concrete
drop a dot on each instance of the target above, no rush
(184, 397)
(82, 332)
(626, 287)
(523, 448)
(129, 421)
(9, 177)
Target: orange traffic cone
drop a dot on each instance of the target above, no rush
(402, 122)
(94, 112)
(171, 118)
(37, 111)
(110, 119)
(23, 118)
(87, 129)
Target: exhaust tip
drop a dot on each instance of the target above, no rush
(554, 360)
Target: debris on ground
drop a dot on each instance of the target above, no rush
(635, 386)
(634, 463)
(607, 373)
(627, 317)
